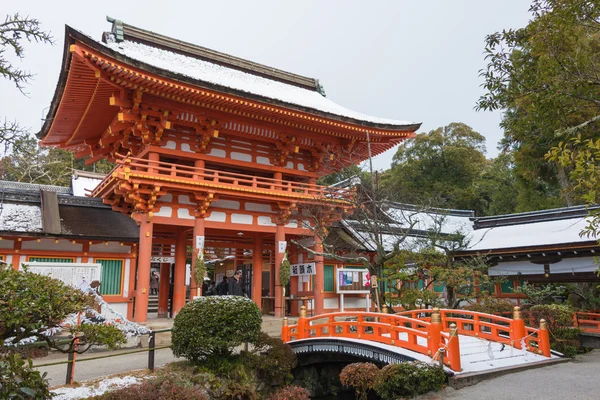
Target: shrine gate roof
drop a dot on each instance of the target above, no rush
(133, 58)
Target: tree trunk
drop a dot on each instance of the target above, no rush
(565, 185)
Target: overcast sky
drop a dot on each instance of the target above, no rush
(407, 60)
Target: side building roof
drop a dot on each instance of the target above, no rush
(22, 213)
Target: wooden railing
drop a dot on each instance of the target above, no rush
(491, 327)
(131, 167)
(588, 322)
(409, 333)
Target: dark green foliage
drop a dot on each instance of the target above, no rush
(290, 393)
(492, 305)
(165, 386)
(408, 380)
(361, 377)
(32, 303)
(564, 337)
(18, 379)
(214, 326)
(273, 360)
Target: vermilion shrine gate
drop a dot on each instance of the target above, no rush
(211, 150)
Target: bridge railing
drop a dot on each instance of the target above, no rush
(420, 336)
(495, 328)
(588, 322)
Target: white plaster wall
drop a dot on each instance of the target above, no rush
(258, 207)
(242, 219)
(186, 147)
(126, 277)
(111, 247)
(241, 156)
(164, 211)
(217, 153)
(263, 160)
(167, 198)
(9, 259)
(49, 244)
(265, 221)
(355, 302)
(217, 216)
(184, 199)
(184, 213)
(170, 145)
(7, 244)
(331, 302)
(230, 204)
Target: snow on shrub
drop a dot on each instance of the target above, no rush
(214, 326)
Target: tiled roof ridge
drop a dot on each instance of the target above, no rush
(34, 187)
(121, 32)
(528, 217)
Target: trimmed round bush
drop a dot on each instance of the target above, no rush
(291, 393)
(214, 326)
(361, 377)
(408, 380)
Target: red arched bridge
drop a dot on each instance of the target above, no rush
(452, 337)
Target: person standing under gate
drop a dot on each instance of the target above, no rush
(235, 284)
(154, 283)
(223, 287)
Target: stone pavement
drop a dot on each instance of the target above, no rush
(88, 370)
(576, 380)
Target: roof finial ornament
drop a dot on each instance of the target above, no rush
(116, 33)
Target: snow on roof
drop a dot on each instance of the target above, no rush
(531, 234)
(432, 220)
(20, 218)
(82, 185)
(219, 75)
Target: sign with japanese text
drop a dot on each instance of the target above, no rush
(161, 260)
(282, 246)
(200, 242)
(353, 281)
(303, 269)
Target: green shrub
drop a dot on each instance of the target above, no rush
(18, 379)
(361, 377)
(273, 360)
(564, 337)
(291, 393)
(492, 305)
(408, 380)
(214, 326)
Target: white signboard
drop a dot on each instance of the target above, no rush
(282, 246)
(72, 274)
(353, 281)
(303, 269)
(200, 242)
(169, 260)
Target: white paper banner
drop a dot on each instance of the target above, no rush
(282, 246)
(302, 269)
(200, 242)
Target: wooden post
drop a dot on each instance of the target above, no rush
(179, 276)
(151, 345)
(453, 349)
(285, 331)
(302, 334)
(196, 287)
(163, 290)
(257, 262)
(435, 332)
(544, 338)
(143, 275)
(279, 301)
(517, 328)
(319, 289)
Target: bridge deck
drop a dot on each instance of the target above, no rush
(477, 355)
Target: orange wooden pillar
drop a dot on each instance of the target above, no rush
(257, 271)
(319, 288)
(544, 338)
(517, 329)
(279, 237)
(163, 290)
(196, 287)
(435, 332)
(143, 273)
(179, 276)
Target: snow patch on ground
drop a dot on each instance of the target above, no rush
(95, 388)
